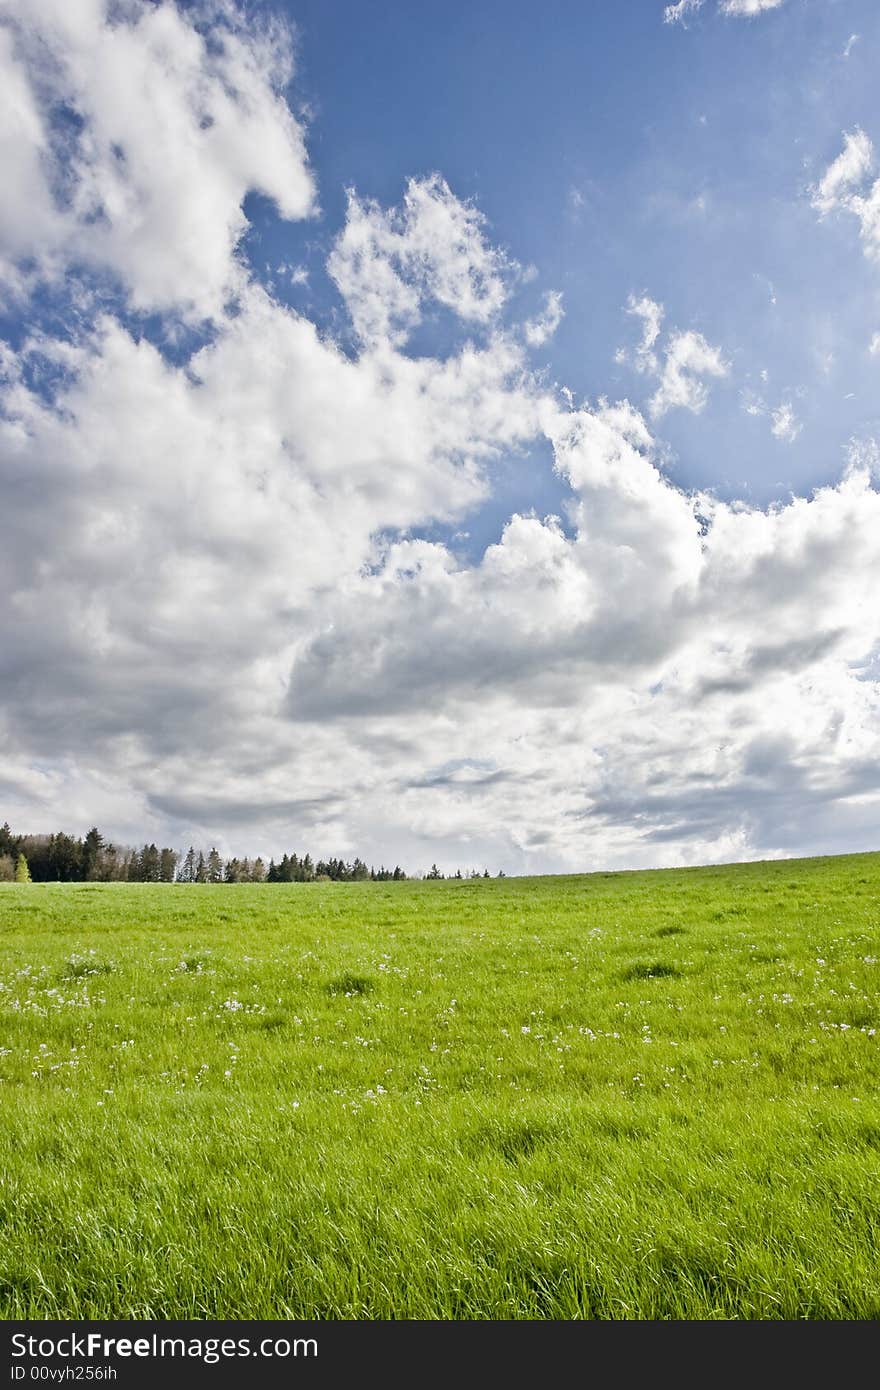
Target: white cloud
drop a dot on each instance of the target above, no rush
(540, 330)
(785, 425)
(846, 173)
(846, 186)
(160, 137)
(651, 314)
(688, 359)
(745, 9)
(680, 12)
(683, 10)
(387, 263)
(874, 345)
(680, 366)
(850, 45)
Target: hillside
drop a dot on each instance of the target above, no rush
(628, 1095)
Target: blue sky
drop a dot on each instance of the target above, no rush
(618, 154)
(442, 433)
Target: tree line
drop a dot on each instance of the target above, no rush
(62, 858)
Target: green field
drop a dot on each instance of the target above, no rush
(644, 1095)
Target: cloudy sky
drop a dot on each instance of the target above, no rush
(442, 431)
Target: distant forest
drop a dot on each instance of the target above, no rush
(62, 858)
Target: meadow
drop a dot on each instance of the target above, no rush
(613, 1096)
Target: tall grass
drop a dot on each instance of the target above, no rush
(647, 1095)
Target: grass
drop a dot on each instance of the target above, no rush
(646, 1095)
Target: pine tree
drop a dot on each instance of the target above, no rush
(65, 858)
(22, 872)
(167, 864)
(91, 853)
(7, 839)
(150, 863)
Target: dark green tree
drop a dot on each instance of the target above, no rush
(65, 858)
(167, 864)
(8, 841)
(92, 846)
(149, 864)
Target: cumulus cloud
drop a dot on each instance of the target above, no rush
(658, 678)
(228, 473)
(649, 576)
(130, 141)
(200, 514)
(680, 366)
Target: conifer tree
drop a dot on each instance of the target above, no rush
(167, 864)
(91, 853)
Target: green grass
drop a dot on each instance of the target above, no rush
(646, 1095)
